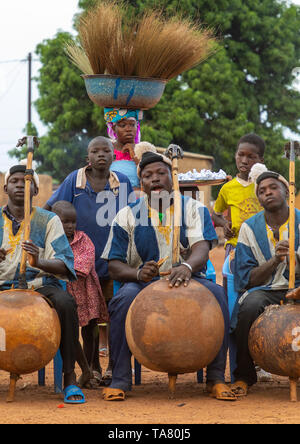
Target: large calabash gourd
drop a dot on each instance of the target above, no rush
(274, 342)
(178, 330)
(29, 332)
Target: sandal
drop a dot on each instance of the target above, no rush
(221, 391)
(112, 394)
(240, 388)
(73, 390)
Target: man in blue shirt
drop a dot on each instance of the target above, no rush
(97, 195)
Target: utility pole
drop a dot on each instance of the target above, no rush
(29, 59)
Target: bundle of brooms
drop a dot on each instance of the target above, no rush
(113, 42)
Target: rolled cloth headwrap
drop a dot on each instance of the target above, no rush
(20, 169)
(150, 157)
(271, 174)
(114, 115)
(260, 172)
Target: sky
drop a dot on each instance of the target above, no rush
(23, 25)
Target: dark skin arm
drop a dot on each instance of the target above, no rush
(197, 259)
(124, 273)
(51, 266)
(261, 274)
(220, 221)
(47, 207)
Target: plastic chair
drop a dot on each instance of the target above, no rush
(210, 272)
(57, 370)
(231, 295)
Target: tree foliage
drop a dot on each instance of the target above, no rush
(244, 87)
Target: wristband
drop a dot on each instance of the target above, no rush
(138, 274)
(188, 266)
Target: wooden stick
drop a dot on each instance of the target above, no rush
(293, 389)
(162, 261)
(172, 385)
(28, 179)
(177, 213)
(292, 218)
(12, 387)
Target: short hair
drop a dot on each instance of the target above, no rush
(253, 139)
(101, 139)
(62, 205)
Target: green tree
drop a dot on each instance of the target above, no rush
(244, 87)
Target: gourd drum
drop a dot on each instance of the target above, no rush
(29, 331)
(274, 340)
(177, 330)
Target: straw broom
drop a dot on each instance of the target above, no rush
(149, 46)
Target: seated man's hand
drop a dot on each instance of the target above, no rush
(149, 271)
(33, 253)
(179, 275)
(294, 294)
(2, 254)
(228, 232)
(282, 250)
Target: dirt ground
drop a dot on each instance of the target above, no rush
(149, 403)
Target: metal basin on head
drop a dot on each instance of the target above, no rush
(111, 91)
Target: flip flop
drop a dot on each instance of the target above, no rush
(73, 390)
(239, 388)
(221, 392)
(113, 394)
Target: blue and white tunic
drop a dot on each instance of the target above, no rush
(48, 234)
(256, 245)
(140, 234)
(95, 211)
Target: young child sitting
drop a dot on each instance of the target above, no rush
(86, 289)
(238, 196)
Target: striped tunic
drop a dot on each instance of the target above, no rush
(256, 245)
(47, 233)
(140, 234)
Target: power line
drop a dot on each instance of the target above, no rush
(16, 61)
(12, 83)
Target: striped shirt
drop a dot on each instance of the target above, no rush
(139, 234)
(256, 245)
(47, 233)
